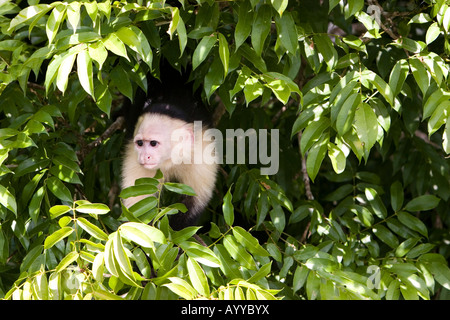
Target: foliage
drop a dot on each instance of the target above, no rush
(359, 209)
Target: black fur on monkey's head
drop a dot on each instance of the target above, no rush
(171, 95)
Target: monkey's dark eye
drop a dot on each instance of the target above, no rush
(153, 143)
(140, 143)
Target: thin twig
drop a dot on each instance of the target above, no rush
(308, 192)
(116, 125)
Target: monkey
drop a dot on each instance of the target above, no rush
(166, 137)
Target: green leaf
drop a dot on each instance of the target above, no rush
(54, 286)
(398, 76)
(326, 49)
(93, 208)
(238, 252)
(138, 190)
(261, 27)
(40, 286)
(287, 32)
(92, 10)
(62, 79)
(386, 236)
(278, 218)
(31, 257)
(110, 262)
(439, 117)
(376, 203)
(366, 125)
(179, 188)
(92, 229)
(280, 5)
(396, 196)
(29, 13)
(184, 234)
(57, 236)
(85, 73)
(59, 189)
(202, 50)
(115, 45)
(98, 53)
(197, 277)
(224, 53)
(103, 97)
(337, 157)
(274, 251)
(252, 90)
(54, 21)
(446, 137)
(420, 250)
(8, 200)
(422, 203)
(136, 41)
(58, 210)
(406, 246)
(181, 288)
(227, 265)
(142, 234)
(244, 23)
(313, 133)
(344, 120)
(121, 257)
(433, 32)
(354, 6)
(261, 273)
(66, 261)
(228, 209)
(316, 155)
(437, 98)
(441, 273)
(420, 74)
(412, 222)
(177, 24)
(300, 275)
(73, 15)
(249, 242)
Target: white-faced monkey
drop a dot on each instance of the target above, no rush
(165, 138)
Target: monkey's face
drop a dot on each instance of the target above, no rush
(152, 143)
(162, 141)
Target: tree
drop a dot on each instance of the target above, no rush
(358, 91)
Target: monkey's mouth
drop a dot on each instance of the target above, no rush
(149, 165)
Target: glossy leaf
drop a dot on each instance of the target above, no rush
(228, 209)
(261, 27)
(197, 277)
(56, 236)
(413, 223)
(92, 229)
(142, 234)
(85, 72)
(422, 203)
(202, 50)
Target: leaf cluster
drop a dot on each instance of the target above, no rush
(359, 208)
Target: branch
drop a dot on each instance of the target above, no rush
(116, 125)
(425, 138)
(376, 10)
(308, 192)
(306, 180)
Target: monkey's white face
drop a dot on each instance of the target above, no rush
(152, 140)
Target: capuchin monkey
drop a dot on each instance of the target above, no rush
(166, 138)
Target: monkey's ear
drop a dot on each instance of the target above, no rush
(182, 140)
(183, 135)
